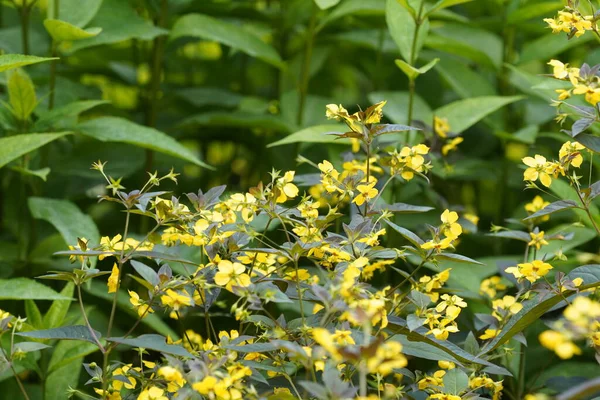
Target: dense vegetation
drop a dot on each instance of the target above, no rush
(299, 199)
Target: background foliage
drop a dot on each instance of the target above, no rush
(225, 90)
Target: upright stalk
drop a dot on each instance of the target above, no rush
(158, 47)
(363, 371)
(24, 14)
(412, 61)
(305, 74)
(53, 62)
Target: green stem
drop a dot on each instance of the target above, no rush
(521, 381)
(53, 62)
(87, 322)
(24, 13)
(412, 61)
(305, 74)
(363, 364)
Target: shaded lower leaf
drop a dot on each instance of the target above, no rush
(406, 234)
(75, 332)
(152, 342)
(553, 207)
(15, 146)
(25, 288)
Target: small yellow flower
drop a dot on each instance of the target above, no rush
(450, 227)
(140, 307)
(537, 240)
(451, 145)
(536, 205)
(560, 71)
(175, 300)
(491, 286)
(489, 334)
(559, 343)
(537, 169)
(367, 192)
(287, 190)
(153, 393)
(570, 154)
(437, 244)
(531, 271)
(441, 126)
(113, 279)
(231, 274)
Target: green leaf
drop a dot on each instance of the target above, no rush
(119, 22)
(21, 94)
(62, 31)
(455, 381)
(146, 272)
(441, 4)
(421, 300)
(10, 61)
(463, 80)
(589, 141)
(548, 46)
(205, 27)
(152, 342)
(61, 379)
(15, 146)
(534, 309)
(113, 129)
(552, 208)
(33, 314)
(457, 258)
(67, 351)
(456, 47)
(531, 11)
(75, 332)
(402, 208)
(406, 234)
(25, 288)
(314, 134)
(453, 352)
(411, 72)
(57, 312)
(401, 25)
(56, 117)
(40, 173)
(351, 7)
(325, 4)
(27, 347)
(73, 12)
(66, 217)
(463, 114)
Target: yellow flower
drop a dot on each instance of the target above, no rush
(450, 228)
(560, 71)
(287, 190)
(452, 305)
(505, 306)
(175, 300)
(490, 334)
(326, 340)
(367, 192)
(444, 396)
(206, 385)
(153, 393)
(451, 145)
(537, 169)
(122, 371)
(559, 343)
(536, 205)
(374, 113)
(387, 357)
(592, 95)
(446, 365)
(141, 308)
(333, 111)
(570, 154)
(437, 244)
(173, 377)
(537, 240)
(441, 126)
(531, 271)
(231, 274)
(491, 286)
(113, 279)
(108, 395)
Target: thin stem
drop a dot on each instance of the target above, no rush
(53, 62)
(412, 61)
(87, 322)
(305, 74)
(521, 381)
(24, 13)
(23, 391)
(299, 290)
(587, 210)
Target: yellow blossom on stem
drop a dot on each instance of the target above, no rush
(531, 271)
(153, 393)
(491, 286)
(559, 343)
(441, 126)
(367, 192)
(537, 240)
(175, 300)
(113, 279)
(452, 144)
(141, 308)
(450, 227)
(489, 334)
(437, 244)
(231, 274)
(287, 190)
(570, 152)
(537, 169)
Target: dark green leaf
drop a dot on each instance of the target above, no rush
(10, 61)
(57, 312)
(205, 27)
(113, 129)
(456, 258)
(75, 332)
(553, 207)
(406, 234)
(152, 342)
(314, 134)
(25, 288)
(15, 146)
(455, 381)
